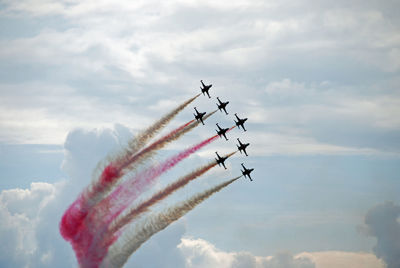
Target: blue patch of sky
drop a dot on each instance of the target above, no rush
(22, 164)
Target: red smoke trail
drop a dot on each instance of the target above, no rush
(73, 218)
(93, 239)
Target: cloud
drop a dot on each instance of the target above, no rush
(200, 253)
(22, 213)
(383, 223)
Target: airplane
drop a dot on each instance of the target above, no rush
(199, 116)
(242, 147)
(205, 88)
(220, 160)
(222, 105)
(240, 122)
(247, 171)
(222, 131)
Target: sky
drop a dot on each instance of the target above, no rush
(318, 80)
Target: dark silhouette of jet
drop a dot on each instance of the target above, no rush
(205, 88)
(247, 171)
(222, 105)
(199, 116)
(240, 122)
(220, 160)
(222, 131)
(242, 147)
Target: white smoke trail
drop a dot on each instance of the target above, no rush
(119, 253)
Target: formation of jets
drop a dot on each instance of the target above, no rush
(239, 122)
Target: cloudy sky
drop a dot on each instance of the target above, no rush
(318, 80)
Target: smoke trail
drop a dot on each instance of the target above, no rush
(92, 242)
(73, 217)
(159, 196)
(119, 254)
(95, 228)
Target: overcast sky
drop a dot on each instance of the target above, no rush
(318, 80)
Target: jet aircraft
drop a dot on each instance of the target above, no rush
(222, 131)
(220, 160)
(247, 171)
(240, 122)
(222, 105)
(242, 147)
(205, 88)
(199, 116)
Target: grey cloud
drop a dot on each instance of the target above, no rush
(383, 223)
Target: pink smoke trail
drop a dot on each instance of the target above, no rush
(94, 240)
